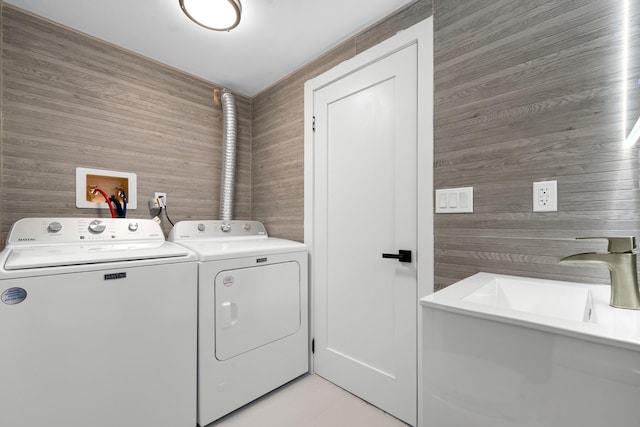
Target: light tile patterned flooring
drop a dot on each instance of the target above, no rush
(309, 401)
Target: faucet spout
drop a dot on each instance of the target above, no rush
(623, 272)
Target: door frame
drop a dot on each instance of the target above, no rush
(420, 34)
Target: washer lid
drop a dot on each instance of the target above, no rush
(28, 257)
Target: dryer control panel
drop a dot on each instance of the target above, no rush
(30, 231)
(216, 229)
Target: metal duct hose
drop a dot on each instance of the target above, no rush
(229, 132)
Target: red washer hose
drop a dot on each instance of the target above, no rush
(113, 213)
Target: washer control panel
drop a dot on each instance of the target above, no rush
(216, 229)
(69, 230)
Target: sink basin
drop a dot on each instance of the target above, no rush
(572, 309)
(514, 351)
(563, 302)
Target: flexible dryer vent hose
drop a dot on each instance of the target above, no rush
(229, 134)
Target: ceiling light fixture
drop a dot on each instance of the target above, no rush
(218, 15)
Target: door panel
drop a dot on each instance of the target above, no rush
(255, 306)
(365, 149)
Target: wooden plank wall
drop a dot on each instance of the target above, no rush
(525, 91)
(2, 236)
(69, 100)
(531, 91)
(278, 129)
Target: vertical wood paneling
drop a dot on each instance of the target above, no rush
(278, 129)
(70, 100)
(524, 92)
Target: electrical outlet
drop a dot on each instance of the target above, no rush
(160, 200)
(545, 196)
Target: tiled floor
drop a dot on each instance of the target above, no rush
(309, 401)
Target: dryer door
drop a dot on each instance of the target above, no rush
(255, 306)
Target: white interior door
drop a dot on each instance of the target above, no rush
(365, 177)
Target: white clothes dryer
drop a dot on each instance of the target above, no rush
(252, 312)
(98, 325)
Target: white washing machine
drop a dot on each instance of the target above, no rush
(252, 312)
(97, 325)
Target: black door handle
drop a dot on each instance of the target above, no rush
(402, 256)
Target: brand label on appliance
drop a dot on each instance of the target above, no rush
(13, 296)
(260, 260)
(114, 276)
(228, 281)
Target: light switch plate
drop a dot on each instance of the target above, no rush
(454, 200)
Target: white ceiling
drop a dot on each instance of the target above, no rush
(274, 38)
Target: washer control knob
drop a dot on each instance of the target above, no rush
(54, 227)
(201, 227)
(133, 226)
(247, 227)
(225, 227)
(96, 226)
